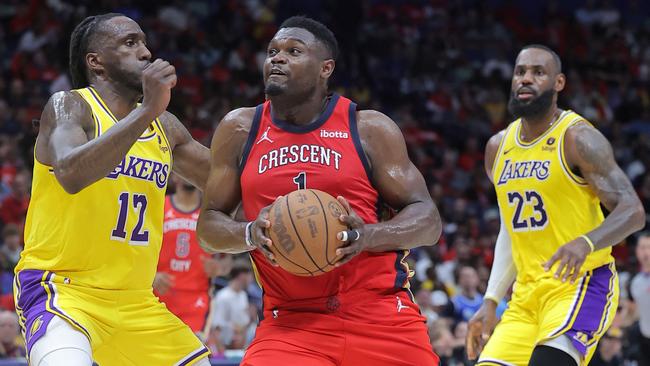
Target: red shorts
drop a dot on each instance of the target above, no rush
(359, 330)
(190, 306)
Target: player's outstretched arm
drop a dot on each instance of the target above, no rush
(65, 140)
(216, 229)
(191, 159)
(589, 153)
(400, 185)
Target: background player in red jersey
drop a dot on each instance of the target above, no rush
(182, 281)
(361, 313)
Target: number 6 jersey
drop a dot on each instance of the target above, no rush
(109, 234)
(543, 203)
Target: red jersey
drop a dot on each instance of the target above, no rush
(326, 154)
(181, 254)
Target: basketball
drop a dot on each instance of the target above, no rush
(304, 224)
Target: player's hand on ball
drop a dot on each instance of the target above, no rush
(259, 237)
(354, 238)
(480, 328)
(570, 256)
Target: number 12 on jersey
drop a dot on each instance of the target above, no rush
(537, 220)
(139, 236)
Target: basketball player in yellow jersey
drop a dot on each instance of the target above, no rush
(551, 170)
(83, 286)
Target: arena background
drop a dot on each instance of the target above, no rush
(440, 68)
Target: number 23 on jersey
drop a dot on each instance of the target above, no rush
(529, 212)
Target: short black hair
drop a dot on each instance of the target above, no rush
(79, 42)
(556, 57)
(318, 29)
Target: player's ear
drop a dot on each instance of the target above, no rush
(560, 81)
(94, 63)
(327, 68)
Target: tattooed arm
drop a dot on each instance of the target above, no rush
(589, 154)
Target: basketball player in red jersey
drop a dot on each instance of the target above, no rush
(182, 281)
(362, 312)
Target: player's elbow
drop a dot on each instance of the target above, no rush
(437, 231)
(68, 181)
(638, 216)
(207, 236)
(432, 225)
(203, 236)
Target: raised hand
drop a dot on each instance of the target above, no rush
(158, 78)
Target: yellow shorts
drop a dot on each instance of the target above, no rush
(125, 327)
(548, 308)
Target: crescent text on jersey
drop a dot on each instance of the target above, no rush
(524, 169)
(179, 224)
(144, 169)
(295, 154)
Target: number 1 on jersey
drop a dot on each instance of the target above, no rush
(301, 180)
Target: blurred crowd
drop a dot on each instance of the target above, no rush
(440, 68)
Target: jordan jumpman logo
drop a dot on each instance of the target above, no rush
(265, 136)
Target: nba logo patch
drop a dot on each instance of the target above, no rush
(550, 141)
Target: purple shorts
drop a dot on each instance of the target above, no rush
(591, 312)
(35, 296)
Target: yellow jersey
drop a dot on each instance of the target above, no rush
(543, 203)
(109, 234)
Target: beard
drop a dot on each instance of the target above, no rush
(296, 93)
(536, 107)
(273, 89)
(131, 79)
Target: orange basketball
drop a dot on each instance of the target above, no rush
(303, 230)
